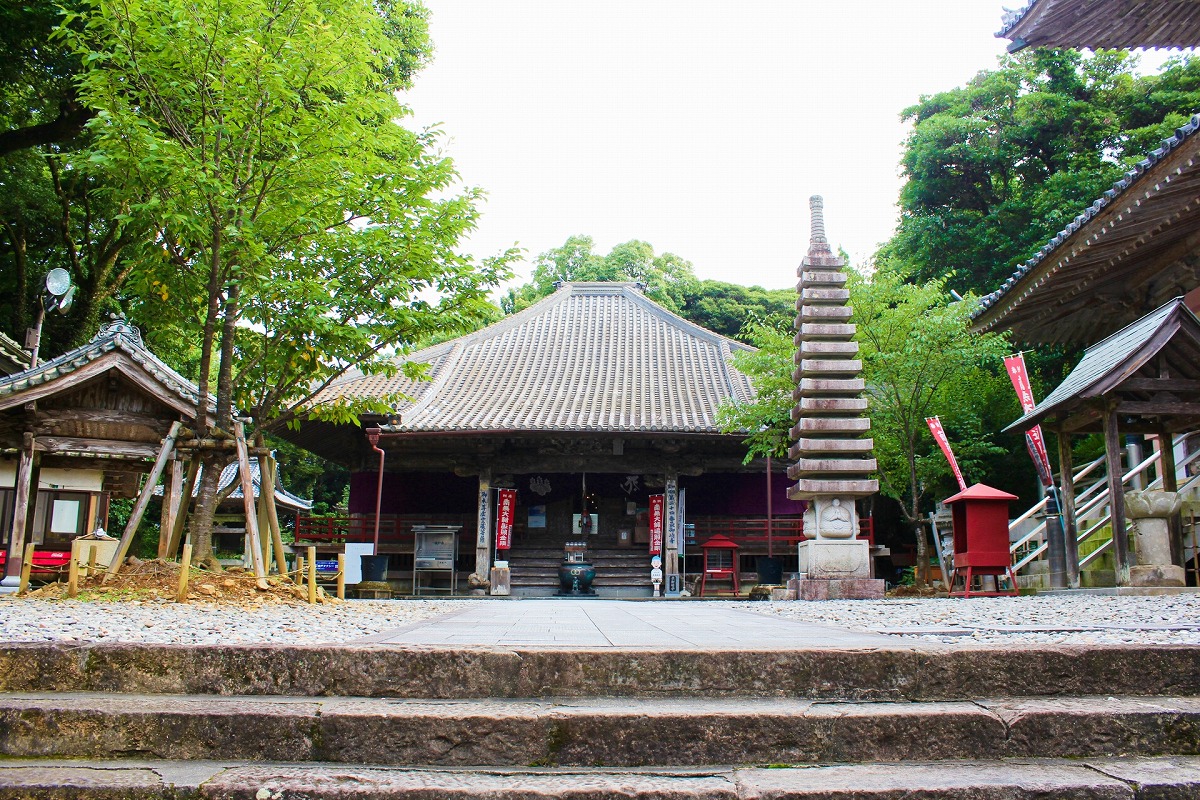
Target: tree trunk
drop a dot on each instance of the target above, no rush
(200, 524)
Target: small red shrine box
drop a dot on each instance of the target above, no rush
(980, 524)
(720, 562)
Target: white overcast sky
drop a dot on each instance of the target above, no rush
(701, 127)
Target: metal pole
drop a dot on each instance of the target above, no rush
(373, 438)
(1056, 545)
(770, 514)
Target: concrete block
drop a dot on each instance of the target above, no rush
(834, 559)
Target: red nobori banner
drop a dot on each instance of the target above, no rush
(1034, 440)
(656, 524)
(939, 436)
(506, 511)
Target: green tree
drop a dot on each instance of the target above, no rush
(299, 229)
(667, 277)
(998, 166)
(766, 421)
(920, 360)
(52, 212)
(670, 280)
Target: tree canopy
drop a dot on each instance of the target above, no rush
(296, 228)
(996, 167)
(725, 308)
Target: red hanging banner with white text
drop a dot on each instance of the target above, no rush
(656, 524)
(939, 436)
(1034, 441)
(506, 511)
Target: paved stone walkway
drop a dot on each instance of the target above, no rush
(561, 623)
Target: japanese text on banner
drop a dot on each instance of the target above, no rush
(939, 436)
(506, 509)
(656, 524)
(1034, 440)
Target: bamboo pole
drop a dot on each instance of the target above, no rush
(341, 578)
(26, 567)
(139, 508)
(185, 498)
(312, 574)
(298, 579)
(73, 571)
(185, 567)
(239, 432)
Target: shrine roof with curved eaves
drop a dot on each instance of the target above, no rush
(592, 357)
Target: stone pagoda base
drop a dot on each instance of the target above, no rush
(837, 589)
(838, 569)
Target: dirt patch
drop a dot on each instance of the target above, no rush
(158, 579)
(916, 591)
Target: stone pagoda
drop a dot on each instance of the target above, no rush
(832, 461)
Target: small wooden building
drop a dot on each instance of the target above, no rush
(79, 430)
(1110, 279)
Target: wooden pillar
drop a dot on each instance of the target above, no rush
(1066, 502)
(671, 582)
(1116, 494)
(483, 531)
(23, 508)
(172, 491)
(1170, 482)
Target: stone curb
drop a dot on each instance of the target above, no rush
(609, 732)
(1174, 778)
(383, 671)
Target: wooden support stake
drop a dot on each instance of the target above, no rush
(93, 556)
(341, 579)
(172, 490)
(299, 577)
(185, 498)
(185, 568)
(239, 432)
(73, 571)
(26, 566)
(312, 574)
(269, 482)
(139, 508)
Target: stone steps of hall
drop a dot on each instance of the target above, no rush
(1162, 778)
(901, 673)
(592, 731)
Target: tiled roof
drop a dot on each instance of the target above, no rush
(229, 475)
(1102, 24)
(1100, 360)
(117, 335)
(1129, 181)
(590, 357)
(13, 357)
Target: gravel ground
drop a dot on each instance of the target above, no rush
(1094, 619)
(979, 621)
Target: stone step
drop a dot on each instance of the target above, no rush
(1173, 778)
(608, 732)
(906, 672)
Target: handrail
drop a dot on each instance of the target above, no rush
(1040, 504)
(1099, 500)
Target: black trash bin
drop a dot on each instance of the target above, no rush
(374, 568)
(770, 570)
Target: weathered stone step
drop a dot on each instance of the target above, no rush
(1173, 778)
(611, 732)
(903, 673)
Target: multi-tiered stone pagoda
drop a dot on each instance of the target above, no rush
(832, 461)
